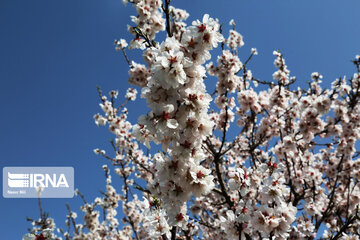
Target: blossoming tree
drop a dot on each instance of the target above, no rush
(252, 160)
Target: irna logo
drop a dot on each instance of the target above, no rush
(25, 182)
(16, 180)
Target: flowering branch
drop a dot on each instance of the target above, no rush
(247, 162)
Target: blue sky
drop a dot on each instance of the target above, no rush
(53, 54)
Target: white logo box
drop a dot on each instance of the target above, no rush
(32, 182)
